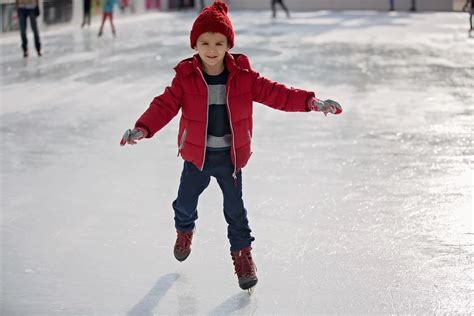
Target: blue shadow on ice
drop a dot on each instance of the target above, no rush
(148, 303)
(232, 304)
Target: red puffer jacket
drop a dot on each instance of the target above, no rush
(188, 92)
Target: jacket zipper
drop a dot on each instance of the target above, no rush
(207, 120)
(234, 174)
(181, 142)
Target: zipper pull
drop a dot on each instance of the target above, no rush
(235, 178)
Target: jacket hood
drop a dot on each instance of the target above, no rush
(232, 61)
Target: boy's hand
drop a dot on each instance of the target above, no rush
(327, 106)
(131, 136)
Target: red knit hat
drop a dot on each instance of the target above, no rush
(213, 19)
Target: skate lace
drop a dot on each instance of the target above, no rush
(183, 242)
(244, 266)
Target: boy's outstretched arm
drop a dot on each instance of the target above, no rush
(161, 110)
(280, 97)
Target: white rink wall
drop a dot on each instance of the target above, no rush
(293, 5)
(312, 5)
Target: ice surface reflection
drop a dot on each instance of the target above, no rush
(367, 213)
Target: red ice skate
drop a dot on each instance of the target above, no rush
(182, 247)
(245, 268)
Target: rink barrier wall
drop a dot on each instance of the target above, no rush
(9, 20)
(311, 5)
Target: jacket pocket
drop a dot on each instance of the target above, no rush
(250, 143)
(181, 141)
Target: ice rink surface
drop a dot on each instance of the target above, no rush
(367, 212)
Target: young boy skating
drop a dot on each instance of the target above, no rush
(215, 91)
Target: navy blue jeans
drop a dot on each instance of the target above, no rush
(23, 15)
(194, 182)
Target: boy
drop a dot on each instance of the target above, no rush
(215, 91)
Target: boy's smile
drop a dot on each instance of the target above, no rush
(212, 48)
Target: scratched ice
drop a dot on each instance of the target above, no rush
(369, 212)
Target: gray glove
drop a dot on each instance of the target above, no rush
(327, 106)
(131, 136)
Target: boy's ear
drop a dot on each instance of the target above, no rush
(195, 48)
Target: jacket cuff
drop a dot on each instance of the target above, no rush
(309, 101)
(144, 130)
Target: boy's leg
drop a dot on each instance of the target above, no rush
(34, 27)
(238, 230)
(193, 182)
(22, 16)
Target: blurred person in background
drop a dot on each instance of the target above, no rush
(123, 4)
(203, 4)
(87, 13)
(412, 7)
(131, 5)
(282, 4)
(28, 9)
(470, 3)
(127, 4)
(108, 13)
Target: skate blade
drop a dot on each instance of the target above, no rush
(251, 290)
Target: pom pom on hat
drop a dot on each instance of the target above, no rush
(221, 6)
(213, 19)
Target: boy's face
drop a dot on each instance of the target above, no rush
(212, 47)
